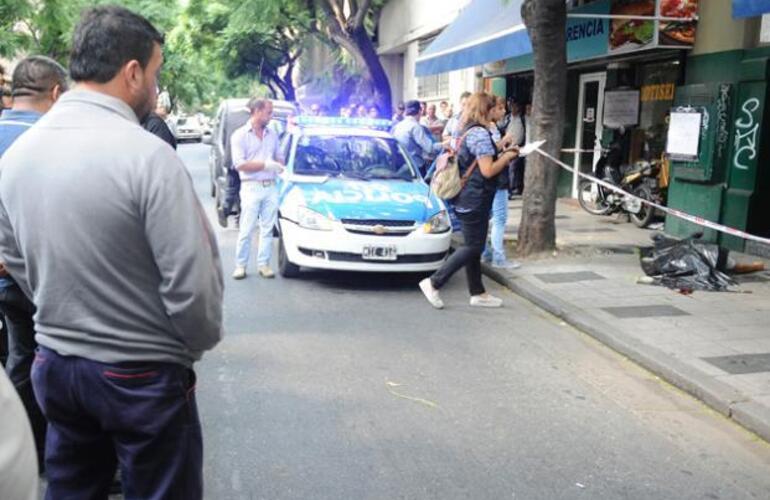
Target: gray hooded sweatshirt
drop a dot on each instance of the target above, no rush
(101, 227)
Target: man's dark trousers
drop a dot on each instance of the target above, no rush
(141, 416)
(517, 179)
(19, 312)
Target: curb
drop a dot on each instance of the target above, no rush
(718, 395)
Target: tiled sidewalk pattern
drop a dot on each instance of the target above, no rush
(721, 336)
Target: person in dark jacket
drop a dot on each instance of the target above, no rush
(155, 123)
(38, 81)
(479, 162)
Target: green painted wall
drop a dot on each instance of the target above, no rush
(734, 181)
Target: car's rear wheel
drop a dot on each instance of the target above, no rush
(286, 268)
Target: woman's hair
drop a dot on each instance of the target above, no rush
(477, 109)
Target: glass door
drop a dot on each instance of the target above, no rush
(589, 125)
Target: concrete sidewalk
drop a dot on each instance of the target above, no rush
(715, 346)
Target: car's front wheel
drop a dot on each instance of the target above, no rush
(286, 268)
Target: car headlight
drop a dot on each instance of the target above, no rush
(439, 223)
(310, 219)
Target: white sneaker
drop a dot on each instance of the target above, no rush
(486, 300)
(239, 273)
(266, 272)
(507, 265)
(431, 294)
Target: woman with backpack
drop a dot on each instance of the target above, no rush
(479, 166)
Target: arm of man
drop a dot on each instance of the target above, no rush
(185, 251)
(238, 153)
(425, 141)
(13, 263)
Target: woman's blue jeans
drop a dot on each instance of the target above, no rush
(498, 219)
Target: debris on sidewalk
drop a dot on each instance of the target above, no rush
(691, 264)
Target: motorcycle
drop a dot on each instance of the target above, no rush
(639, 179)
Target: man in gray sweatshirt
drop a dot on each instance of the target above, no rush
(101, 228)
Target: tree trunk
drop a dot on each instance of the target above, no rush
(289, 93)
(379, 78)
(546, 23)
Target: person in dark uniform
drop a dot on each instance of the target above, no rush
(155, 123)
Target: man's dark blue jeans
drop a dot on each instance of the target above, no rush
(141, 416)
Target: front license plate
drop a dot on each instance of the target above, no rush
(371, 252)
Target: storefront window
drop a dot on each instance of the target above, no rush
(657, 84)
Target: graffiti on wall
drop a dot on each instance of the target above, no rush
(746, 130)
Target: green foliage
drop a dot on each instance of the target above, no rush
(214, 48)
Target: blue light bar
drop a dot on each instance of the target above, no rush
(341, 121)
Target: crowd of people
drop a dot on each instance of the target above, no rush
(124, 304)
(426, 130)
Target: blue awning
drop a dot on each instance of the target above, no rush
(750, 8)
(485, 31)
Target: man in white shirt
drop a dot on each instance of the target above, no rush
(518, 130)
(255, 150)
(452, 128)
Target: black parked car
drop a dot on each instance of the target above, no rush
(231, 115)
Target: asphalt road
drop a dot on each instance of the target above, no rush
(349, 386)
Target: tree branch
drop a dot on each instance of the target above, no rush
(339, 13)
(360, 15)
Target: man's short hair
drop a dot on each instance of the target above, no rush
(108, 37)
(257, 104)
(412, 108)
(465, 95)
(35, 75)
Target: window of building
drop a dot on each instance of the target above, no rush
(432, 86)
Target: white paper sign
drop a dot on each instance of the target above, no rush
(530, 148)
(621, 108)
(684, 135)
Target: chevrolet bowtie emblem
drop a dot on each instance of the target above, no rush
(379, 229)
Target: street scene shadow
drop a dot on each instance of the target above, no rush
(358, 281)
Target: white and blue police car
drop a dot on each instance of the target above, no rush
(352, 200)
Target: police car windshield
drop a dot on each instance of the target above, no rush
(358, 157)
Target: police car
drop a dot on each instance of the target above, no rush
(352, 200)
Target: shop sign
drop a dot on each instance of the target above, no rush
(592, 38)
(658, 92)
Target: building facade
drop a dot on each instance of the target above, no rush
(721, 78)
(405, 29)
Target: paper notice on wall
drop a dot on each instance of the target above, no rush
(684, 131)
(621, 108)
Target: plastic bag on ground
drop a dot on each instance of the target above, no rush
(686, 265)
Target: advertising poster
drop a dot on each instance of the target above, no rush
(678, 34)
(628, 34)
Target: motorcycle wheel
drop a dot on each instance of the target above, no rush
(644, 217)
(592, 200)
